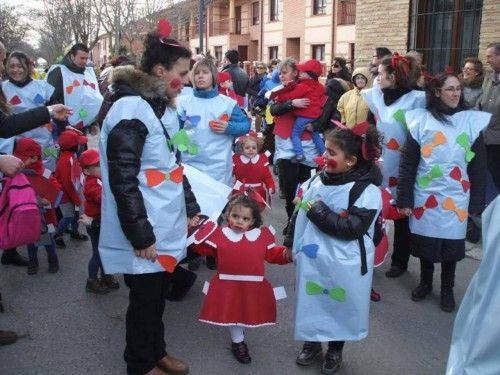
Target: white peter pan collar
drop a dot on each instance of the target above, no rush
(245, 159)
(233, 236)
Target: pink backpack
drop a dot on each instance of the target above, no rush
(20, 220)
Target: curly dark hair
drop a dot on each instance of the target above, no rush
(161, 51)
(351, 143)
(245, 201)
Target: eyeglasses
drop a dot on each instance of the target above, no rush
(466, 69)
(335, 66)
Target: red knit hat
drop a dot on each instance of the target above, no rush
(313, 66)
(27, 147)
(71, 138)
(89, 157)
(223, 77)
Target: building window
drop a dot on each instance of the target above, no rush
(318, 52)
(347, 12)
(273, 10)
(255, 13)
(218, 53)
(273, 52)
(319, 7)
(445, 32)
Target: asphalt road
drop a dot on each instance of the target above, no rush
(69, 331)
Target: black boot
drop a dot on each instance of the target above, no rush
(447, 299)
(240, 352)
(53, 264)
(425, 286)
(332, 362)
(447, 282)
(309, 351)
(11, 256)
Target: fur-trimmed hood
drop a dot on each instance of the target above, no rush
(127, 81)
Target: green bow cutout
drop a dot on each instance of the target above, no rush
(435, 172)
(183, 143)
(337, 294)
(83, 113)
(50, 151)
(399, 116)
(464, 141)
(301, 204)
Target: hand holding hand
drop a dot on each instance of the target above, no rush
(60, 111)
(147, 253)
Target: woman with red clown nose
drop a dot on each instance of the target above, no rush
(144, 190)
(331, 235)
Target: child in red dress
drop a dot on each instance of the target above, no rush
(238, 295)
(251, 168)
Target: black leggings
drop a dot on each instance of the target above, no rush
(292, 174)
(447, 273)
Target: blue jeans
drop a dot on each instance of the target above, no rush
(65, 222)
(298, 129)
(33, 251)
(95, 262)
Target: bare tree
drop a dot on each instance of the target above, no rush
(13, 29)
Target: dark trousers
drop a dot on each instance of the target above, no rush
(493, 163)
(95, 262)
(401, 247)
(145, 343)
(292, 174)
(447, 273)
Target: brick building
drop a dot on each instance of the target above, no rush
(446, 32)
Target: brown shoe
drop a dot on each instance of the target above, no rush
(7, 337)
(173, 365)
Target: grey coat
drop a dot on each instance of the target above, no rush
(490, 102)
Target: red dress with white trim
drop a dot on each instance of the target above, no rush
(239, 294)
(254, 173)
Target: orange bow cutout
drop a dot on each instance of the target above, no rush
(449, 204)
(69, 89)
(439, 139)
(168, 262)
(393, 145)
(224, 118)
(155, 177)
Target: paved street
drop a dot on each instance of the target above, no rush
(69, 331)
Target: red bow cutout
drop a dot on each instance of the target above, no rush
(456, 174)
(164, 28)
(168, 262)
(86, 83)
(393, 145)
(396, 59)
(249, 192)
(393, 181)
(155, 177)
(224, 118)
(431, 202)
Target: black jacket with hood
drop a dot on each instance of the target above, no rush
(124, 148)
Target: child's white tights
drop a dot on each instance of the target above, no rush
(237, 334)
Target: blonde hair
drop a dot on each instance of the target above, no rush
(207, 63)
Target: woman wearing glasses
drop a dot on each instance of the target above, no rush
(472, 77)
(339, 69)
(441, 181)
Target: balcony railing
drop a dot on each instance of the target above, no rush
(224, 26)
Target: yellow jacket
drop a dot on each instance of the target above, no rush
(351, 106)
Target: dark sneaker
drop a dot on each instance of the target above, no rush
(420, 292)
(78, 236)
(11, 256)
(53, 264)
(447, 300)
(240, 352)
(211, 262)
(395, 271)
(32, 267)
(332, 363)
(7, 337)
(94, 286)
(60, 242)
(309, 351)
(194, 264)
(110, 282)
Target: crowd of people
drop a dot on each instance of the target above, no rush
(430, 143)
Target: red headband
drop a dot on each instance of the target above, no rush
(360, 130)
(396, 59)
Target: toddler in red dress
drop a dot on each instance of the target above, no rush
(238, 295)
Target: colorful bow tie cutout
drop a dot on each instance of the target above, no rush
(337, 294)
(83, 113)
(393, 145)
(439, 139)
(193, 120)
(304, 204)
(310, 250)
(50, 152)
(393, 181)
(48, 126)
(155, 177)
(86, 83)
(464, 141)
(425, 180)
(69, 88)
(224, 118)
(183, 143)
(15, 100)
(400, 117)
(450, 205)
(456, 174)
(431, 202)
(79, 125)
(168, 262)
(38, 99)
